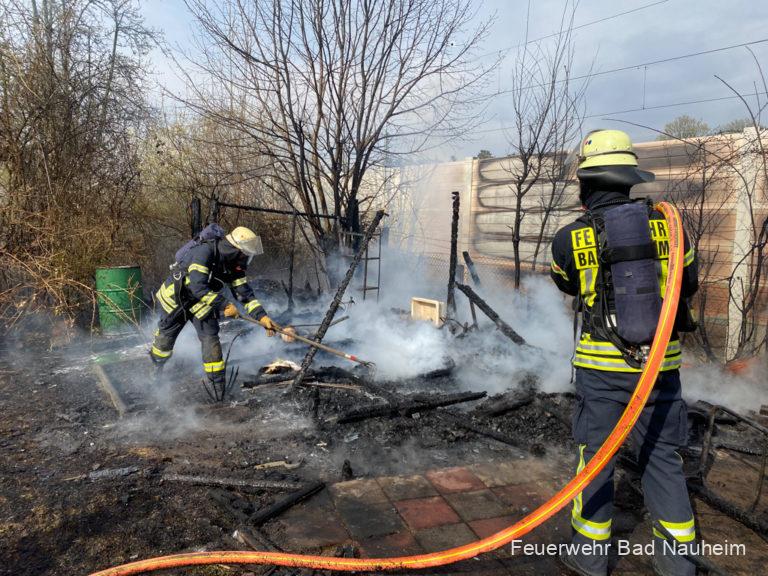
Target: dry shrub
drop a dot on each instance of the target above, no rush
(73, 110)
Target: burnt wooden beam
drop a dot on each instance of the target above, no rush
(327, 375)
(506, 404)
(475, 281)
(255, 540)
(261, 516)
(471, 267)
(105, 383)
(505, 328)
(230, 482)
(406, 407)
(713, 499)
(451, 299)
(333, 308)
(466, 423)
(741, 448)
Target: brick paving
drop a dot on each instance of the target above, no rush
(406, 515)
(439, 509)
(427, 512)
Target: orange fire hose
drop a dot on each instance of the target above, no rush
(535, 518)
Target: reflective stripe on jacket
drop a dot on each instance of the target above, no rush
(205, 270)
(602, 355)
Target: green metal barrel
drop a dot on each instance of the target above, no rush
(119, 295)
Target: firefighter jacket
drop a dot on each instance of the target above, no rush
(197, 283)
(575, 268)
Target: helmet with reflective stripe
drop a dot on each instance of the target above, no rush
(245, 240)
(607, 148)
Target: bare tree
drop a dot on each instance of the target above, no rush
(328, 89)
(703, 193)
(189, 156)
(546, 107)
(747, 281)
(73, 106)
(724, 201)
(558, 171)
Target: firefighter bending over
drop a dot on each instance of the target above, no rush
(194, 290)
(614, 260)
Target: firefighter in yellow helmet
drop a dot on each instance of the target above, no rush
(193, 291)
(608, 358)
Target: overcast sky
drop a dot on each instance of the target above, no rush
(664, 30)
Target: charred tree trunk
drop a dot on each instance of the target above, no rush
(516, 237)
(291, 264)
(197, 217)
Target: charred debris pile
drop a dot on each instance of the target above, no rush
(349, 408)
(523, 419)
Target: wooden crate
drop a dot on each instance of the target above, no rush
(426, 309)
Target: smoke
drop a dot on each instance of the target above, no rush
(741, 392)
(383, 332)
(484, 359)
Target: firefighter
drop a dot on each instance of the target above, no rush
(194, 290)
(605, 375)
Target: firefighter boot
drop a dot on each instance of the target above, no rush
(667, 561)
(583, 564)
(158, 364)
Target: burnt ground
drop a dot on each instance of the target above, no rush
(81, 489)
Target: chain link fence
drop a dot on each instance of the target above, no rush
(498, 272)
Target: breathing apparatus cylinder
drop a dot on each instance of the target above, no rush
(631, 255)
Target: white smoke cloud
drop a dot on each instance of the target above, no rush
(743, 392)
(484, 359)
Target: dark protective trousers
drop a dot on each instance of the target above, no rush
(168, 329)
(660, 431)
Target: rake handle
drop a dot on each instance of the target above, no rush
(318, 345)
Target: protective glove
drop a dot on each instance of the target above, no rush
(230, 311)
(267, 322)
(287, 334)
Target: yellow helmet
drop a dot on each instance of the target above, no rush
(245, 240)
(607, 148)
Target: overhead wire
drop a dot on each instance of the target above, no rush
(643, 65)
(635, 66)
(507, 49)
(631, 110)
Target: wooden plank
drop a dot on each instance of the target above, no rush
(108, 388)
